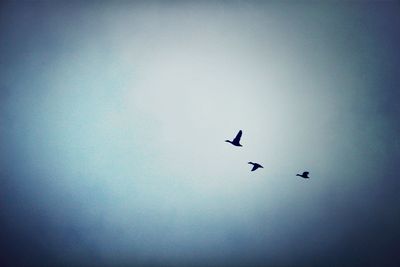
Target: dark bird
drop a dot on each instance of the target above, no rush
(236, 141)
(304, 175)
(255, 166)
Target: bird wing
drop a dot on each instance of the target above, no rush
(305, 173)
(255, 167)
(238, 136)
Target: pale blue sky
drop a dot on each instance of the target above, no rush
(113, 119)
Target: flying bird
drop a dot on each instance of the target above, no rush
(255, 166)
(236, 141)
(304, 175)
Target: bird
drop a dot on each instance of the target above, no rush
(255, 166)
(236, 141)
(304, 175)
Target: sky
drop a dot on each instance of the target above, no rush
(113, 117)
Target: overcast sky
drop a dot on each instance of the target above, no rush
(113, 117)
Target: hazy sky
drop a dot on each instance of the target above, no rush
(113, 117)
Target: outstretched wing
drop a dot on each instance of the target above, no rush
(238, 136)
(305, 173)
(255, 167)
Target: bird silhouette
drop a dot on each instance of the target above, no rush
(236, 141)
(304, 175)
(255, 166)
